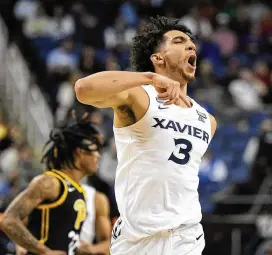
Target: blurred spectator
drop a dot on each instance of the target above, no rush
(88, 63)
(63, 24)
(10, 188)
(128, 13)
(38, 25)
(200, 26)
(118, 34)
(261, 72)
(9, 160)
(65, 99)
(261, 152)
(256, 10)
(60, 63)
(26, 9)
(63, 59)
(231, 73)
(224, 37)
(249, 88)
(252, 43)
(112, 63)
(240, 23)
(266, 25)
(87, 16)
(212, 169)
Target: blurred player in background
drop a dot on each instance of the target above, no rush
(97, 224)
(54, 202)
(161, 135)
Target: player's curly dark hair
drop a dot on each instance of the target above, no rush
(59, 151)
(149, 38)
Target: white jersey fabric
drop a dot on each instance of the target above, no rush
(187, 240)
(158, 162)
(88, 228)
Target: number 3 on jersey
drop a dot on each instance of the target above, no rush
(183, 156)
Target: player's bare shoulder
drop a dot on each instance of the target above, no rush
(213, 124)
(41, 188)
(46, 185)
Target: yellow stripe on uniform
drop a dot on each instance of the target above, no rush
(42, 224)
(61, 199)
(45, 225)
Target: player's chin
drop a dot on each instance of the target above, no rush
(92, 171)
(189, 77)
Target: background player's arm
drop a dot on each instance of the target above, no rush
(43, 187)
(20, 250)
(213, 124)
(102, 228)
(102, 224)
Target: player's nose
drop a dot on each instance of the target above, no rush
(97, 154)
(191, 46)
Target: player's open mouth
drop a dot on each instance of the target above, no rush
(192, 61)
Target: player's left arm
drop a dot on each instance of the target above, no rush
(102, 228)
(213, 124)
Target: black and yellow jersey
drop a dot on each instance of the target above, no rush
(57, 224)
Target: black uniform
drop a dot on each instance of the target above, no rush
(57, 224)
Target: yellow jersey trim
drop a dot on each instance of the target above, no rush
(76, 185)
(61, 199)
(45, 225)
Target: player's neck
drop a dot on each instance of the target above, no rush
(176, 77)
(74, 174)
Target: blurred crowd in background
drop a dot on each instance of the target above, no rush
(66, 40)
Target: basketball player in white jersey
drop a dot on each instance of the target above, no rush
(161, 135)
(97, 223)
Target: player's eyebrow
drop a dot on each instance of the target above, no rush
(183, 38)
(179, 37)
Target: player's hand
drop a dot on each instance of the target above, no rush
(169, 90)
(20, 250)
(85, 249)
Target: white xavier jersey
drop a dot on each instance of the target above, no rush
(158, 162)
(87, 233)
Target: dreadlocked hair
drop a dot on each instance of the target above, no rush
(59, 150)
(149, 38)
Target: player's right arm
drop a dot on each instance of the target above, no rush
(42, 187)
(114, 88)
(122, 91)
(110, 88)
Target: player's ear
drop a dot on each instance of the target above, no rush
(157, 59)
(78, 152)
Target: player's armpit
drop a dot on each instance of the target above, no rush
(213, 124)
(43, 187)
